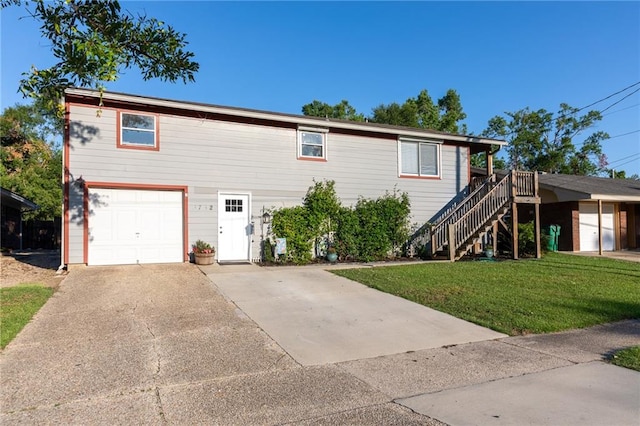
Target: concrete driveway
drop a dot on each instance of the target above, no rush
(319, 318)
(161, 345)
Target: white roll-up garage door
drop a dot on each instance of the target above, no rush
(589, 227)
(129, 226)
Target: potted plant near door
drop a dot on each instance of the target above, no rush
(203, 253)
(332, 254)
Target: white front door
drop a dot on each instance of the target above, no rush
(589, 227)
(234, 227)
(134, 226)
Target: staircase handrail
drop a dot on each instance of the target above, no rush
(440, 225)
(479, 214)
(483, 187)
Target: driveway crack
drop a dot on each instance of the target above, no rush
(156, 352)
(156, 374)
(159, 406)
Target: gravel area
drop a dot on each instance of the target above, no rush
(30, 267)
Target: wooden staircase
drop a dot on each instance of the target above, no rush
(458, 229)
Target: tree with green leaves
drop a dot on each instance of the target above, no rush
(420, 112)
(31, 158)
(342, 110)
(93, 41)
(540, 141)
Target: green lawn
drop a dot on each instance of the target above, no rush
(17, 306)
(629, 358)
(557, 292)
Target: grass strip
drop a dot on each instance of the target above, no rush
(17, 306)
(555, 293)
(628, 358)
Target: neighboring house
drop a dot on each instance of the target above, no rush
(593, 213)
(146, 177)
(13, 205)
(579, 203)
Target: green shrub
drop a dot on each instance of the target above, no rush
(394, 210)
(292, 223)
(322, 205)
(372, 239)
(346, 236)
(373, 229)
(267, 251)
(527, 239)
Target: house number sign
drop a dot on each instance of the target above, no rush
(203, 207)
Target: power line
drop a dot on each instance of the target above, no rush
(604, 99)
(620, 100)
(624, 158)
(620, 110)
(627, 162)
(624, 134)
(610, 137)
(610, 96)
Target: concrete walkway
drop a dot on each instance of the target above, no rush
(628, 255)
(321, 318)
(160, 345)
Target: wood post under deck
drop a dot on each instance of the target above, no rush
(537, 218)
(518, 198)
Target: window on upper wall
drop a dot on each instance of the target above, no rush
(420, 159)
(138, 131)
(312, 144)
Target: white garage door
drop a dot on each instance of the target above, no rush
(589, 227)
(134, 226)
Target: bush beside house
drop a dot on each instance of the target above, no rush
(370, 230)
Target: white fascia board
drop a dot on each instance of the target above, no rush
(293, 119)
(613, 198)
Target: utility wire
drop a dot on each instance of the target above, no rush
(610, 96)
(610, 137)
(620, 100)
(604, 99)
(620, 110)
(624, 134)
(627, 162)
(624, 158)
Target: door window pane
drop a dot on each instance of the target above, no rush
(233, 206)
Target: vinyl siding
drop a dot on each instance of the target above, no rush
(211, 156)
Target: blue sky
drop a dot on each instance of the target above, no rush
(499, 56)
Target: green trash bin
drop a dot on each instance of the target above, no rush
(550, 238)
(554, 236)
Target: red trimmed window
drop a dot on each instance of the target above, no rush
(312, 144)
(419, 159)
(138, 131)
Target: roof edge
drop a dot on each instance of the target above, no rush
(19, 198)
(282, 117)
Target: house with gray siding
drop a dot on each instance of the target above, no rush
(144, 178)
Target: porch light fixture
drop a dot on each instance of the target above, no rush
(266, 217)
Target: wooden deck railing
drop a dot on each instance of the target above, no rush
(440, 226)
(524, 183)
(479, 215)
(458, 225)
